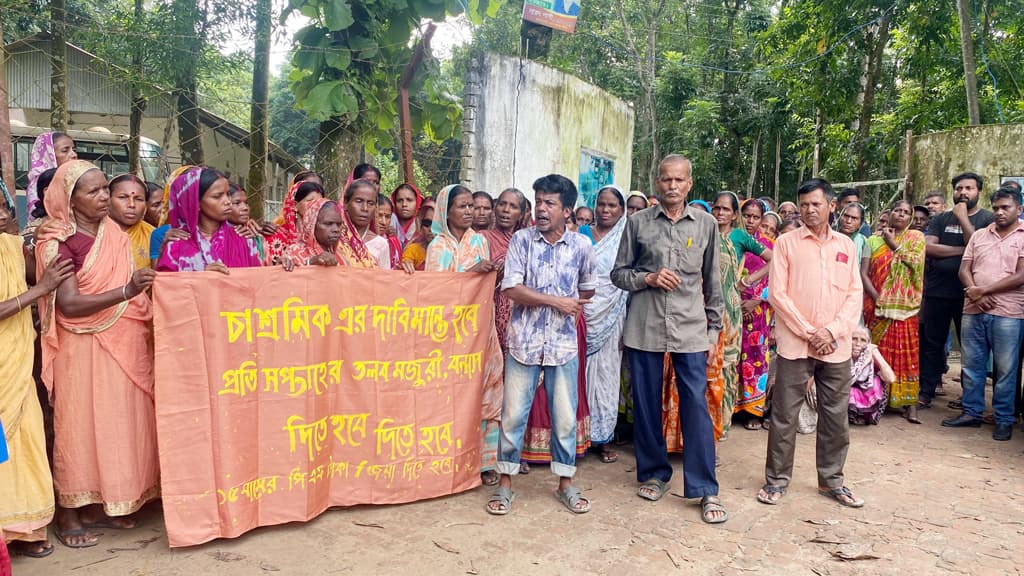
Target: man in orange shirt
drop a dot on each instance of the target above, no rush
(815, 289)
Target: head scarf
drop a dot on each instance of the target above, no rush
(43, 158)
(637, 194)
(448, 253)
(165, 209)
(607, 306)
(194, 254)
(306, 246)
(287, 227)
(411, 229)
(702, 203)
(351, 246)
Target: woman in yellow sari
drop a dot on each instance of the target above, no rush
(26, 489)
(97, 361)
(128, 208)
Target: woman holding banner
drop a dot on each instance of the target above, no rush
(360, 208)
(325, 239)
(201, 205)
(458, 248)
(97, 361)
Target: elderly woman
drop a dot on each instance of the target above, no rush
(320, 234)
(286, 225)
(360, 208)
(635, 202)
(97, 361)
(128, 209)
(200, 204)
(893, 274)
(50, 150)
(458, 248)
(512, 212)
(849, 222)
(605, 315)
(757, 321)
(26, 488)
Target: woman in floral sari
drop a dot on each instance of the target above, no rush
(757, 319)
(458, 248)
(320, 237)
(605, 315)
(893, 276)
(50, 150)
(97, 361)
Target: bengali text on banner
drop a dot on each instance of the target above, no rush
(281, 394)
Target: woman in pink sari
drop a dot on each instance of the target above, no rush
(201, 205)
(757, 321)
(50, 150)
(97, 361)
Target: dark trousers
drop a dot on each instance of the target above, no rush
(832, 382)
(646, 374)
(936, 314)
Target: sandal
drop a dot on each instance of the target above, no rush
(489, 477)
(524, 467)
(652, 490)
(752, 424)
(768, 492)
(571, 497)
(25, 549)
(609, 457)
(62, 537)
(504, 497)
(843, 496)
(709, 505)
(911, 419)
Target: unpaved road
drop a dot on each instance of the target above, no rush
(939, 501)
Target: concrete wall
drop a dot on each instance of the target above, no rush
(512, 141)
(992, 151)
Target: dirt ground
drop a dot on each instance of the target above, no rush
(939, 501)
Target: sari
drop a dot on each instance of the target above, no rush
(721, 373)
(139, 234)
(287, 228)
(753, 369)
(892, 319)
(98, 369)
(407, 233)
(605, 317)
(26, 487)
(353, 250)
(447, 253)
(498, 242)
(306, 246)
(43, 158)
(867, 393)
(197, 252)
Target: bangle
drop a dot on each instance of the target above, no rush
(124, 292)
(18, 299)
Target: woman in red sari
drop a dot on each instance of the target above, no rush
(512, 213)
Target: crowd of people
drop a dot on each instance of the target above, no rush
(652, 319)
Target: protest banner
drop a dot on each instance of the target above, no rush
(281, 394)
(555, 14)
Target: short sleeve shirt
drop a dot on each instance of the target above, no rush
(941, 277)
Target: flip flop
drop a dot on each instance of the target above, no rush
(503, 496)
(710, 504)
(63, 535)
(657, 486)
(572, 496)
(837, 495)
(609, 457)
(21, 549)
(769, 491)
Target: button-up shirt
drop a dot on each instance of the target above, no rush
(815, 283)
(541, 335)
(990, 258)
(689, 318)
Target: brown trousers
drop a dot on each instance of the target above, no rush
(833, 438)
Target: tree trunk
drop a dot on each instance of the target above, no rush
(870, 77)
(138, 103)
(6, 151)
(256, 187)
(58, 68)
(819, 127)
(778, 164)
(970, 68)
(190, 140)
(652, 110)
(753, 165)
(337, 153)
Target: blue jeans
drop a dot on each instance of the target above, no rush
(984, 334)
(560, 383)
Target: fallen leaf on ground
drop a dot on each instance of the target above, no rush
(269, 567)
(463, 524)
(849, 557)
(827, 540)
(368, 525)
(822, 522)
(445, 547)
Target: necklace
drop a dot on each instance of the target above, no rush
(363, 235)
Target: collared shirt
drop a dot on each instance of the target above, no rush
(541, 335)
(689, 318)
(991, 258)
(815, 284)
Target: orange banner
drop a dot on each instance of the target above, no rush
(281, 394)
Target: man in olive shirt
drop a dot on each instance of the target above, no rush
(668, 262)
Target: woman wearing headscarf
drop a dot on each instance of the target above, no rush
(324, 238)
(26, 487)
(407, 202)
(200, 204)
(414, 256)
(50, 150)
(97, 362)
(128, 208)
(286, 233)
(605, 315)
(163, 233)
(512, 213)
(458, 248)
(381, 226)
(360, 207)
(635, 202)
(757, 321)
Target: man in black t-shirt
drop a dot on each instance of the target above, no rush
(943, 301)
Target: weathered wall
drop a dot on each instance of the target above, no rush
(992, 151)
(558, 117)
